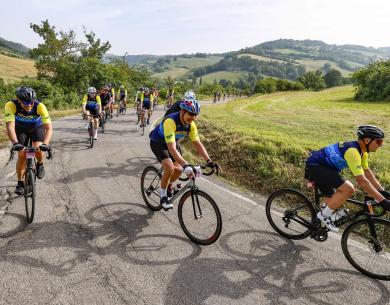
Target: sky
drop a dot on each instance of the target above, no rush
(210, 26)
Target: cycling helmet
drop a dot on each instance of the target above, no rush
(108, 85)
(370, 131)
(190, 105)
(190, 95)
(25, 94)
(91, 90)
(146, 90)
(122, 87)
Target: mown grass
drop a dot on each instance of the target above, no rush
(12, 68)
(262, 141)
(228, 75)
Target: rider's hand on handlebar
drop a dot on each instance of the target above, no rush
(44, 147)
(187, 169)
(214, 165)
(385, 204)
(385, 194)
(17, 147)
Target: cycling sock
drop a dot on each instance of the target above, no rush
(163, 193)
(95, 132)
(327, 212)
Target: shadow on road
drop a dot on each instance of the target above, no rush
(265, 261)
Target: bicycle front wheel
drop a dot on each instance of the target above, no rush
(150, 187)
(29, 195)
(199, 217)
(290, 213)
(366, 246)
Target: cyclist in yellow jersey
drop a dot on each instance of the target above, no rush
(324, 166)
(25, 118)
(92, 105)
(146, 104)
(164, 144)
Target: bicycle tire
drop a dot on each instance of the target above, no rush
(103, 125)
(357, 242)
(90, 131)
(273, 213)
(29, 195)
(148, 190)
(210, 238)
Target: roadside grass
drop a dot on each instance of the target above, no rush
(55, 114)
(262, 142)
(262, 58)
(12, 68)
(317, 64)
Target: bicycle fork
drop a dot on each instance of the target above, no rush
(195, 203)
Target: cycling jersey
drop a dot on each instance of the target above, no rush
(122, 94)
(87, 99)
(171, 130)
(105, 98)
(341, 155)
(37, 116)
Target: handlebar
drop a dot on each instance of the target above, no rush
(31, 149)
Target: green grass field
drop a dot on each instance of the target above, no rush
(262, 58)
(178, 68)
(12, 68)
(228, 75)
(262, 141)
(314, 64)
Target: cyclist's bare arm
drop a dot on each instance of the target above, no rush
(201, 150)
(370, 176)
(366, 185)
(175, 154)
(48, 133)
(11, 132)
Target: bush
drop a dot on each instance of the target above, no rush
(373, 81)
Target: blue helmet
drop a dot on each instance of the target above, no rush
(26, 94)
(190, 105)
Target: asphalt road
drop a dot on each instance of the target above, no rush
(94, 241)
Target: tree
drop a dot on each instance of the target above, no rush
(312, 80)
(326, 68)
(333, 78)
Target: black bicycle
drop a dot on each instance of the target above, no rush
(91, 129)
(365, 241)
(102, 121)
(199, 215)
(30, 175)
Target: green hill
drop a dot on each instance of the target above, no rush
(12, 48)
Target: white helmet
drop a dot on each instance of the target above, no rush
(91, 90)
(190, 95)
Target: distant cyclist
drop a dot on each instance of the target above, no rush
(112, 98)
(91, 105)
(122, 96)
(25, 118)
(105, 97)
(146, 102)
(323, 167)
(164, 144)
(170, 96)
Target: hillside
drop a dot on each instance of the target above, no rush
(14, 68)
(284, 58)
(12, 48)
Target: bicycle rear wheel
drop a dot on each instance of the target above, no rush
(29, 195)
(199, 217)
(90, 132)
(290, 213)
(368, 250)
(150, 187)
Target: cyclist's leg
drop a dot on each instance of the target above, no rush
(178, 169)
(22, 136)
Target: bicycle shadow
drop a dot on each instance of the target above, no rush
(266, 264)
(115, 229)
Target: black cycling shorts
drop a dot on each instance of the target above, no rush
(161, 151)
(146, 105)
(24, 133)
(326, 178)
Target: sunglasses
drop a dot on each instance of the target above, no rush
(192, 114)
(379, 141)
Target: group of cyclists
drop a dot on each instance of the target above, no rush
(27, 118)
(95, 104)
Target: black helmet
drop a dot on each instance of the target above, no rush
(370, 131)
(25, 94)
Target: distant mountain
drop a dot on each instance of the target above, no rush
(7, 46)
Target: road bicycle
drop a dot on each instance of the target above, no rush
(103, 120)
(365, 241)
(30, 175)
(91, 129)
(121, 109)
(168, 103)
(199, 215)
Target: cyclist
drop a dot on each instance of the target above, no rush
(155, 98)
(105, 97)
(25, 118)
(112, 98)
(146, 105)
(92, 105)
(324, 166)
(189, 95)
(122, 96)
(164, 144)
(170, 96)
